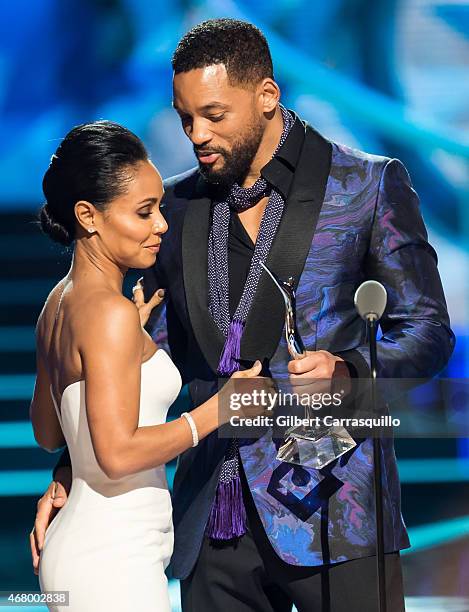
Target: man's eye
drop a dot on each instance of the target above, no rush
(216, 118)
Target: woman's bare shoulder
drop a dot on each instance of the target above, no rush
(89, 310)
(110, 319)
(103, 307)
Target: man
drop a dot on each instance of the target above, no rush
(251, 532)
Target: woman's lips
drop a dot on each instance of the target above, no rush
(154, 248)
(209, 158)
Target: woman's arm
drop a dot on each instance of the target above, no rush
(111, 355)
(46, 425)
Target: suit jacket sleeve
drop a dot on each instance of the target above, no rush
(156, 326)
(417, 340)
(64, 461)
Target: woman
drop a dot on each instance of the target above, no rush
(103, 387)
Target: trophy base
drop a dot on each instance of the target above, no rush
(315, 448)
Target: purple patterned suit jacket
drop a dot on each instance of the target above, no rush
(349, 217)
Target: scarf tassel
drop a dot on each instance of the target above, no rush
(228, 515)
(229, 361)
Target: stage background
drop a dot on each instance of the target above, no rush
(388, 76)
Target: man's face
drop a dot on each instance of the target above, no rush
(224, 123)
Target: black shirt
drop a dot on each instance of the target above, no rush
(240, 252)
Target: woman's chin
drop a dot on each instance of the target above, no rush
(146, 261)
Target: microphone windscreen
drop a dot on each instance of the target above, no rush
(370, 298)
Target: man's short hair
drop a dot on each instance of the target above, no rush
(239, 45)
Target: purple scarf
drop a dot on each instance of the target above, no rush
(228, 515)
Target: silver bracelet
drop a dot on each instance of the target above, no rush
(195, 435)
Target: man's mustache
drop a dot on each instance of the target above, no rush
(200, 151)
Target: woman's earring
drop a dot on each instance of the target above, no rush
(91, 230)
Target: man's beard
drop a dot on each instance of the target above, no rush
(237, 162)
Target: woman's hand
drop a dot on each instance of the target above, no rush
(47, 507)
(251, 388)
(145, 308)
(251, 372)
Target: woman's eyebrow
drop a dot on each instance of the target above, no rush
(148, 201)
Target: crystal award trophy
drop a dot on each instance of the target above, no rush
(312, 446)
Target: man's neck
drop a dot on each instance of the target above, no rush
(269, 143)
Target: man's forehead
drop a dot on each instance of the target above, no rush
(203, 88)
(208, 75)
(215, 71)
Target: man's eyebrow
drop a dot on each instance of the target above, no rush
(205, 108)
(214, 105)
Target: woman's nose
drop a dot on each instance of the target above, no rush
(160, 226)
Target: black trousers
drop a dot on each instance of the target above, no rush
(248, 576)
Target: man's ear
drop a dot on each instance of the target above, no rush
(269, 95)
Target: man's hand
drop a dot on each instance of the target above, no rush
(47, 507)
(320, 365)
(145, 308)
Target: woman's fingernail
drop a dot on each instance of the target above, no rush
(161, 292)
(54, 490)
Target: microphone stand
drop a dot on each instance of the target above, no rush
(372, 324)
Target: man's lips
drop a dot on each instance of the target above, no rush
(207, 157)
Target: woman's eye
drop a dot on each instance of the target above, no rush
(144, 215)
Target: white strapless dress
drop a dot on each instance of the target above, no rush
(111, 542)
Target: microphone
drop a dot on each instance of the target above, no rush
(370, 300)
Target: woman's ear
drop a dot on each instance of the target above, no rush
(85, 212)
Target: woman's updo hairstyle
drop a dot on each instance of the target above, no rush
(92, 163)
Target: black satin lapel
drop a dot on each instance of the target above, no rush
(290, 248)
(194, 262)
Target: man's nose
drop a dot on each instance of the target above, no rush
(199, 134)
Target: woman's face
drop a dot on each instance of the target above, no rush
(131, 228)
